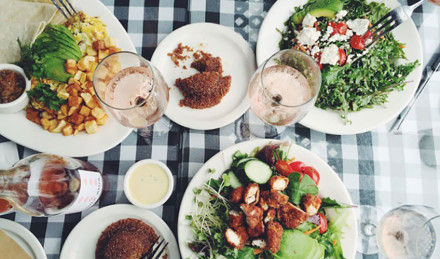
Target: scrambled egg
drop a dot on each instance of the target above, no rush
(87, 30)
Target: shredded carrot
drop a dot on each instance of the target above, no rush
(312, 230)
(402, 46)
(316, 26)
(370, 25)
(302, 48)
(257, 251)
(334, 242)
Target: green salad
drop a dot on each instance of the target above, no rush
(266, 205)
(336, 34)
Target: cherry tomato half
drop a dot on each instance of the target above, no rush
(342, 57)
(283, 167)
(297, 166)
(366, 35)
(323, 226)
(312, 173)
(318, 59)
(357, 42)
(339, 28)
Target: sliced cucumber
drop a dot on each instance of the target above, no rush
(257, 171)
(241, 162)
(233, 180)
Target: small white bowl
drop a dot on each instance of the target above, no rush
(21, 102)
(167, 194)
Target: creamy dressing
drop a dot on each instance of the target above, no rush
(148, 184)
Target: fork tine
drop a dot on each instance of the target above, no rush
(60, 9)
(383, 33)
(151, 248)
(161, 251)
(381, 20)
(378, 30)
(65, 7)
(71, 7)
(150, 256)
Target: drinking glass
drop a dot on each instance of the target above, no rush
(281, 92)
(131, 89)
(406, 232)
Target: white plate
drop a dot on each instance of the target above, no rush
(20, 130)
(81, 242)
(238, 61)
(330, 185)
(24, 238)
(330, 121)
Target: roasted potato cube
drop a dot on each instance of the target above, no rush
(98, 112)
(67, 130)
(72, 109)
(91, 51)
(84, 62)
(102, 53)
(102, 120)
(78, 75)
(72, 80)
(76, 118)
(74, 100)
(110, 42)
(58, 127)
(61, 116)
(63, 109)
(115, 67)
(97, 45)
(47, 115)
(52, 124)
(91, 127)
(92, 67)
(86, 97)
(45, 123)
(89, 76)
(84, 110)
(71, 66)
(79, 127)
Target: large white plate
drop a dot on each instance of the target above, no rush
(364, 120)
(81, 242)
(330, 185)
(24, 238)
(238, 61)
(18, 129)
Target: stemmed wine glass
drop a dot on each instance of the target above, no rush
(131, 89)
(406, 232)
(281, 92)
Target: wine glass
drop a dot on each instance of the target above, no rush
(281, 92)
(406, 232)
(131, 89)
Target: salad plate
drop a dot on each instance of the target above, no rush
(238, 61)
(24, 238)
(26, 133)
(328, 121)
(330, 185)
(81, 245)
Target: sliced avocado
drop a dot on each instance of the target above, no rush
(54, 42)
(61, 29)
(320, 8)
(297, 245)
(54, 69)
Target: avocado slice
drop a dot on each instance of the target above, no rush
(55, 41)
(60, 29)
(54, 69)
(320, 8)
(297, 245)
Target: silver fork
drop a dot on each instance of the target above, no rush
(390, 21)
(156, 250)
(68, 13)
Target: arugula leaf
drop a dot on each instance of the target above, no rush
(296, 189)
(43, 93)
(331, 203)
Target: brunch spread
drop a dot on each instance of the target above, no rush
(206, 88)
(266, 205)
(335, 33)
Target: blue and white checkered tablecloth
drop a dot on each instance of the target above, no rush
(378, 168)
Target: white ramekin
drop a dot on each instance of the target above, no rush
(21, 102)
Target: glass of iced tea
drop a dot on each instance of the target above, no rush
(131, 89)
(281, 92)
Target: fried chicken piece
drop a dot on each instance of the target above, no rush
(274, 199)
(270, 215)
(257, 231)
(274, 234)
(236, 196)
(311, 204)
(252, 193)
(278, 182)
(262, 202)
(254, 214)
(259, 242)
(236, 218)
(291, 216)
(236, 238)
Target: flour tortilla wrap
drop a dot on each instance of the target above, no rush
(21, 20)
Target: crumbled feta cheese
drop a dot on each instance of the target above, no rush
(359, 26)
(308, 36)
(327, 34)
(368, 41)
(330, 55)
(315, 50)
(350, 58)
(309, 21)
(339, 37)
(341, 14)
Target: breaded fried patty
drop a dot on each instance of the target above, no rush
(125, 239)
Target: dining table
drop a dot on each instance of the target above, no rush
(380, 168)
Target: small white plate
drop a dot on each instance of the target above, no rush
(328, 121)
(81, 242)
(238, 61)
(330, 185)
(24, 238)
(24, 132)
